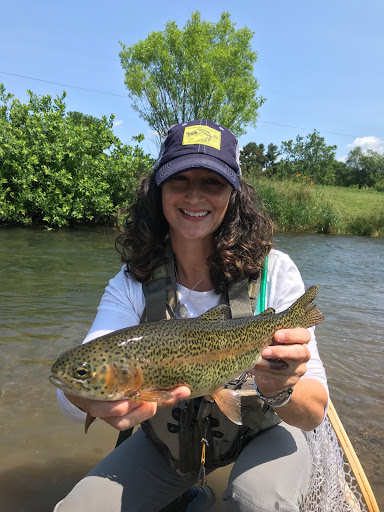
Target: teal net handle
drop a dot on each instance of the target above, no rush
(260, 306)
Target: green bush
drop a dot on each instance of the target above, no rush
(379, 186)
(297, 207)
(371, 225)
(59, 168)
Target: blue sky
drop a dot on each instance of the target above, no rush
(320, 64)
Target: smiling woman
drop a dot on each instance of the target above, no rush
(197, 237)
(194, 205)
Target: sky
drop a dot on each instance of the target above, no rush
(320, 63)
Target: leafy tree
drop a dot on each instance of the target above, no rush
(341, 174)
(85, 119)
(271, 164)
(252, 159)
(58, 168)
(310, 157)
(364, 169)
(204, 71)
(255, 161)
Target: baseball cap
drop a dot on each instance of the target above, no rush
(199, 144)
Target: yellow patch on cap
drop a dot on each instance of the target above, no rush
(206, 135)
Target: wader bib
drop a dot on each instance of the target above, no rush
(178, 432)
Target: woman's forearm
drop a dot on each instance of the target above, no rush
(306, 408)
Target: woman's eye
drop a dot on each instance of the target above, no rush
(178, 177)
(212, 182)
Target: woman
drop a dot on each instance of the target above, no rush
(196, 199)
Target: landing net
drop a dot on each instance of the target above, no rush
(333, 487)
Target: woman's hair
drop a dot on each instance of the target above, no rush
(241, 242)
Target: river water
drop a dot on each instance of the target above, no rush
(50, 285)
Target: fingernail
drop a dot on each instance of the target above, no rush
(279, 336)
(267, 352)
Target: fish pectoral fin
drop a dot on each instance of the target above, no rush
(129, 374)
(229, 403)
(88, 422)
(153, 396)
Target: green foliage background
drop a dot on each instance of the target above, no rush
(310, 158)
(59, 168)
(202, 71)
(300, 206)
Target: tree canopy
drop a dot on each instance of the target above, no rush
(255, 161)
(308, 156)
(364, 169)
(203, 71)
(58, 168)
(310, 159)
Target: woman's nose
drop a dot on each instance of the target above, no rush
(194, 191)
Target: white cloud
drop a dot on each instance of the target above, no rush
(118, 122)
(365, 143)
(369, 142)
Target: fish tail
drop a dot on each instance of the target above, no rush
(309, 313)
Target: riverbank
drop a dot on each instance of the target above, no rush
(294, 206)
(305, 207)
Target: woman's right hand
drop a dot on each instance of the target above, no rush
(125, 414)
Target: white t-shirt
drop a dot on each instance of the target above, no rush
(123, 304)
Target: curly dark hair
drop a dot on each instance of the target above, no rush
(241, 242)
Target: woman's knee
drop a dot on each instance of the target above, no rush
(236, 498)
(271, 473)
(245, 496)
(93, 493)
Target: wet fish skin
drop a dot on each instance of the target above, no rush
(143, 362)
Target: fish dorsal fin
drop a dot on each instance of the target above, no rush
(215, 314)
(269, 311)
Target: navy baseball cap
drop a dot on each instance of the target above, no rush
(199, 144)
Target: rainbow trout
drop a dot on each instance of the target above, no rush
(145, 361)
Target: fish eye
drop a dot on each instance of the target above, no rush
(81, 370)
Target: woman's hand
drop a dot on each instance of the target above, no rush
(306, 407)
(125, 414)
(290, 346)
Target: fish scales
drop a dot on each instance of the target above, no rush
(144, 361)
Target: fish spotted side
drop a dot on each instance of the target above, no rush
(145, 361)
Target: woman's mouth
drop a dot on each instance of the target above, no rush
(199, 214)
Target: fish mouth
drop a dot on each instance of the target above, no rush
(65, 386)
(53, 379)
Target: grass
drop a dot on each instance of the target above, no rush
(361, 211)
(353, 202)
(299, 206)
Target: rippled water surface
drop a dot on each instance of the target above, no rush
(50, 285)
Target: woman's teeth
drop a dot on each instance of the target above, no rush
(195, 214)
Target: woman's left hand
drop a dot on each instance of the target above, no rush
(290, 346)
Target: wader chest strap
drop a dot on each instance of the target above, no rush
(242, 298)
(247, 297)
(160, 291)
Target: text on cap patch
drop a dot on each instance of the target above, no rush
(202, 135)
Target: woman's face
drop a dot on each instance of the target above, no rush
(194, 203)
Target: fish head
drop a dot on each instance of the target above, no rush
(94, 378)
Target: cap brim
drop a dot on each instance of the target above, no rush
(186, 162)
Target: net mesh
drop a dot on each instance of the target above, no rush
(333, 487)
